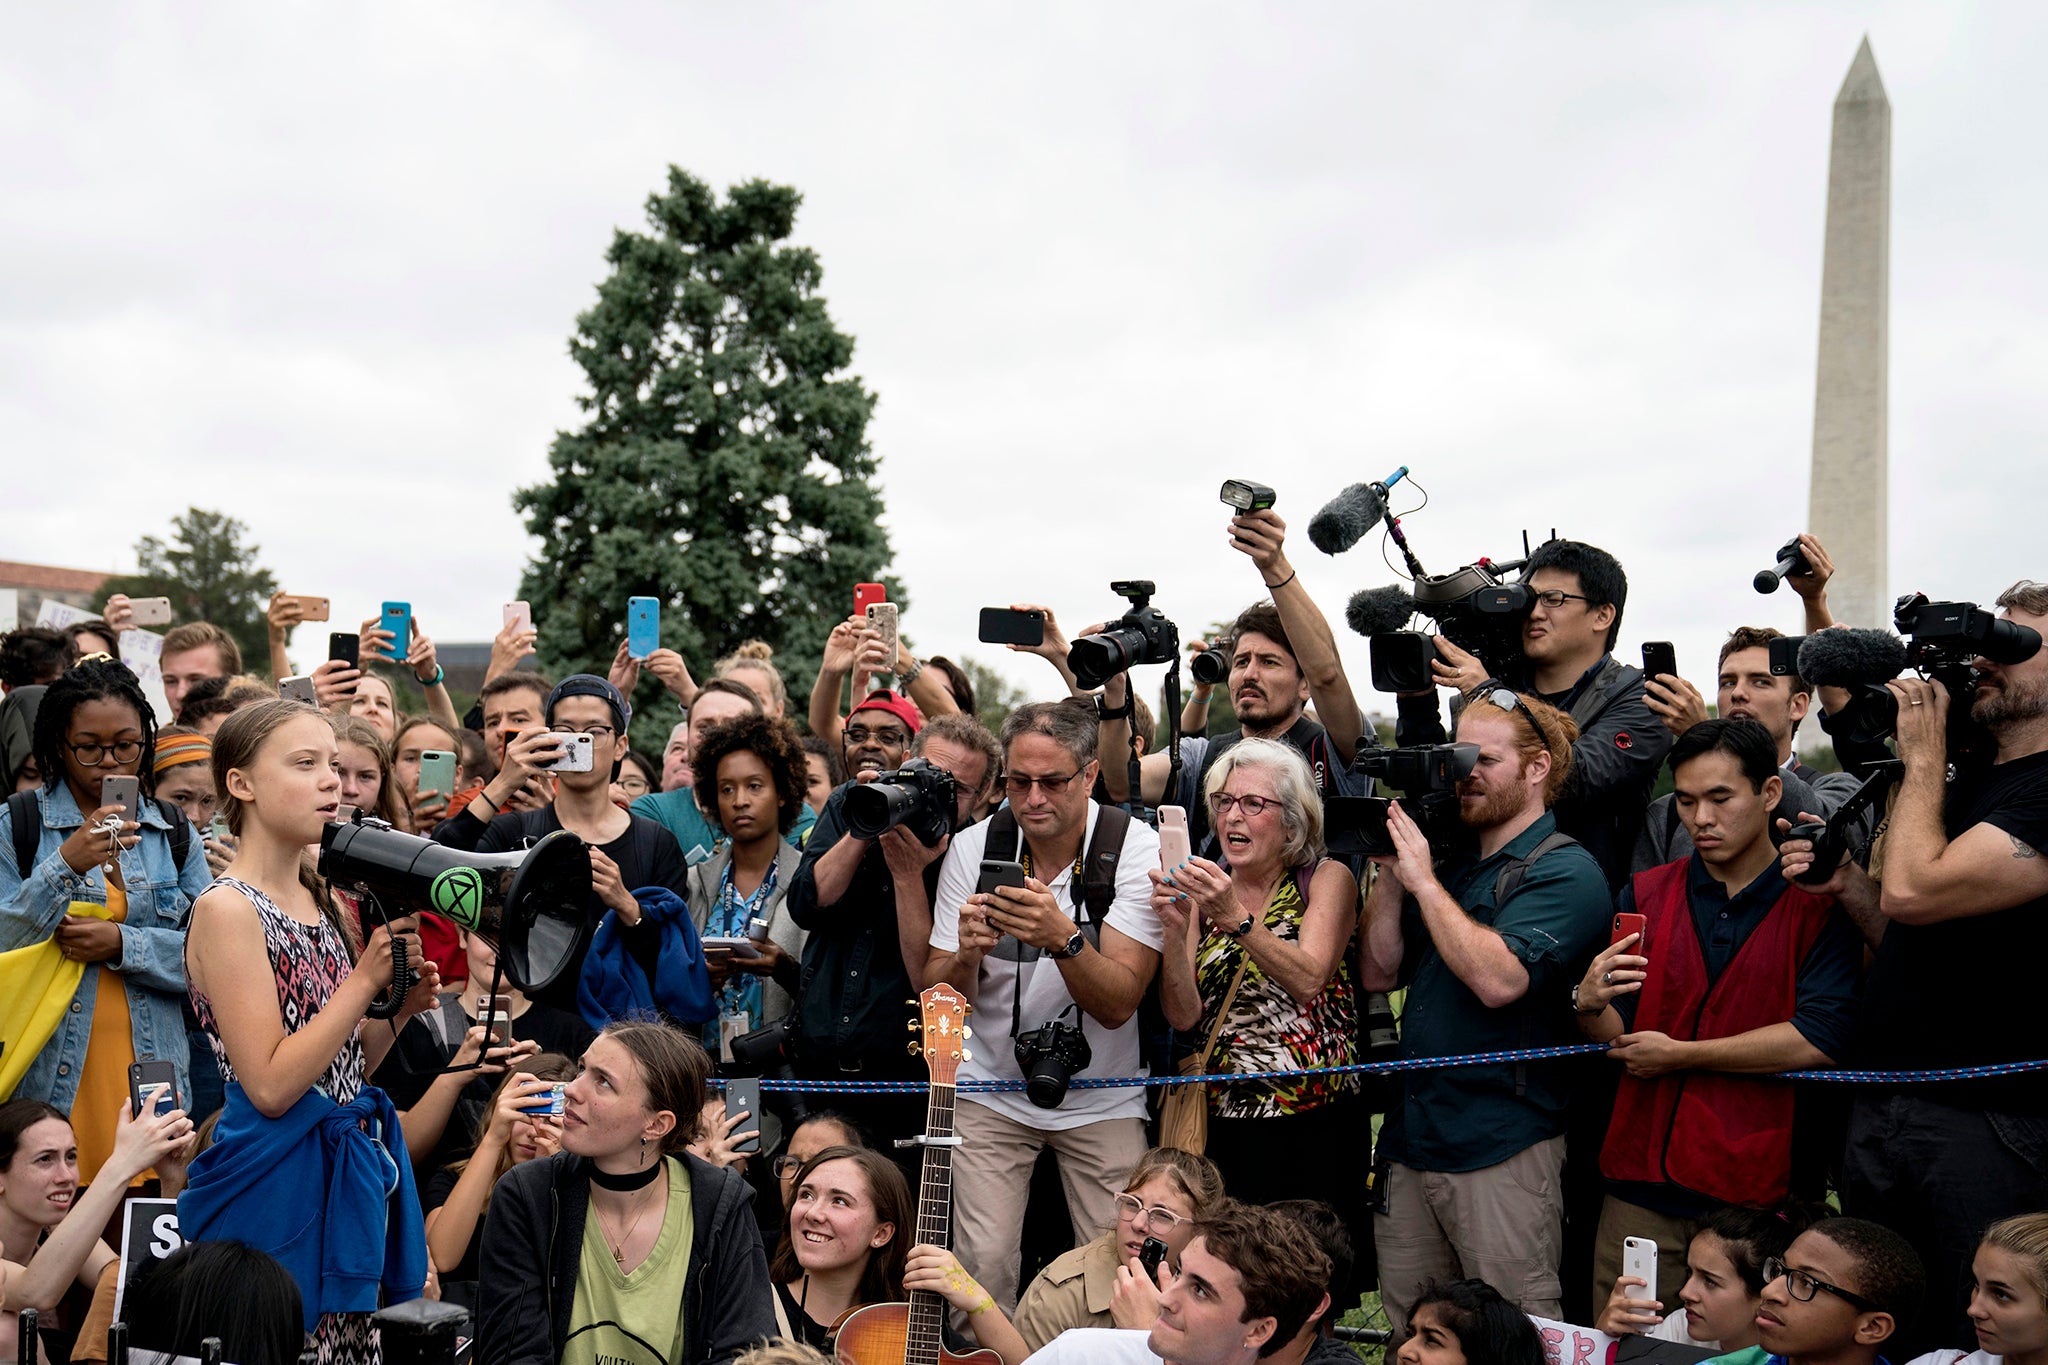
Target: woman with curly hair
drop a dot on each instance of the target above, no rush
(751, 776)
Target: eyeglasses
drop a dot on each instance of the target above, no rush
(1155, 1220)
(1251, 805)
(1016, 784)
(786, 1166)
(1506, 700)
(1555, 599)
(1803, 1286)
(95, 755)
(891, 738)
(596, 731)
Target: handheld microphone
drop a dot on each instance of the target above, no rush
(1346, 518)
(1791, 560)
(1851, 658)
(1379, 611)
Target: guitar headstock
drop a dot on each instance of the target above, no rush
(942, 1031)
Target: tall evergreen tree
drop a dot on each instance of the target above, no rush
(724, 467)
(209, 574)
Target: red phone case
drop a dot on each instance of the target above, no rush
(1624, 925)
(866, 594)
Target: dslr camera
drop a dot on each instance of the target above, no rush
(1049, 1055)
(917, 796)
(1427, 778)
(1141, 635)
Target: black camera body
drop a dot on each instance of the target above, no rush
(1476, 609)
(1942, 639)
(917, 796)
(1425, 775)
(1141, 635)
(1049, 1055)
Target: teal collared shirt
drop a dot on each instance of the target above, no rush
(677, 812)
(1470, 1117)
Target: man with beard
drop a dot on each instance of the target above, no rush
(1956, 904)
(1471, 1157)
(1747, 690)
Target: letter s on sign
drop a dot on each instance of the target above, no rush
(165, 1238)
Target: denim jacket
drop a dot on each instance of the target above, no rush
(152, 961)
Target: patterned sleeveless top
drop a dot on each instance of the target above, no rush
(1267, 1030)
(310, 963)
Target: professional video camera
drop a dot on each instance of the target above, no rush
(1425, 775)
(1141, 635)
(917, 796)
(1942, 640)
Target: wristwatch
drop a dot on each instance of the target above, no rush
(1241, 930)
(1073, 946)
(1584, 1009)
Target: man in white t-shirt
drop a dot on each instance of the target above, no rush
(1042, 954)
(1249, 1277)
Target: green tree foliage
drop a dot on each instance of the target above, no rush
(995, 696)
(724, 467)
(209, 573)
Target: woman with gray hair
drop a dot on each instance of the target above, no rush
(1255, 959)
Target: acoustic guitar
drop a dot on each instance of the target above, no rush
(913, 1333)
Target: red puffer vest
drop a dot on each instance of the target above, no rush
(1725, 1136)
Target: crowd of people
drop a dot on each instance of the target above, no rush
(363, 1109)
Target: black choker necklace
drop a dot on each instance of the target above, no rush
(632, 1180)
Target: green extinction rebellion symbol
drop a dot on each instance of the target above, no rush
(458, 893)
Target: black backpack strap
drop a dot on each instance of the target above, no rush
(1001, 846)
(180, 831)
(26, 819)
(1505, 885)
(1097, 890)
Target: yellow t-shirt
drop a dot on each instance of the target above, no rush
(636, 1319)
(109, 1051)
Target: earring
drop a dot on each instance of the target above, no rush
(643, 1151)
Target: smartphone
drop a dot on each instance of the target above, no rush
(1152, 1254)
(643, 626)
(346, 646)
(1003, 626)
(1246, 496)
(550, 1103)
(1174, 848)
(745, 1093)
(865, 595)
(161, 1077)
(519, 614)
(397, 619)
(497, 1020)
(299, 689)
(310, 608)
(151, 611)
(995, 873)
(122, 792)
(219, 828)
(1639, 1258)
(575, 755)
(437, 772)
(1624, 925)
(1785, 655)
(1659, 658)
(1356, 826)
(882, 620)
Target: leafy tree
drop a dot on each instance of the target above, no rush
(724, 467)
(209, 574)
(995, 696)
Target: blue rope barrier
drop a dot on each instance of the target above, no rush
(1844, 1075)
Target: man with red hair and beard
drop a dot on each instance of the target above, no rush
(1956, 906)
(1471, 1157)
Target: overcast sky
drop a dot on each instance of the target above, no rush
(316, 266)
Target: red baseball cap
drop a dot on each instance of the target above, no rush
(895, 703)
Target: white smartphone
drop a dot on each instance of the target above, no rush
(1174, 848)
(575, 756)
(299, 689)
(882, 621)
(519, 614)
(1639, 1258)
(152, 611)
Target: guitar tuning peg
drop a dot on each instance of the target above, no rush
(913, 1047)
(966, 1033)
(965, 1055)
(913, 1026)
(912, 1002)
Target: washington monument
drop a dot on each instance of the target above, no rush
(1847, 511)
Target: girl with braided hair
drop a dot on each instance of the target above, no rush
(108, 894)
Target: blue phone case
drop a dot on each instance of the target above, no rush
(398, 620)
(643, 626)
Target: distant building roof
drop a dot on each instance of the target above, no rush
(49, 578)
